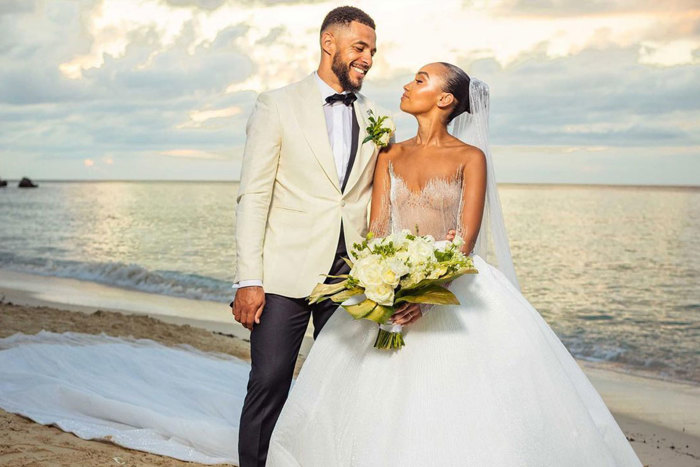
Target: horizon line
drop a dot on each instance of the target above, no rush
(576, 184)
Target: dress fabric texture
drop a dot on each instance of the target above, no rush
(482, 383)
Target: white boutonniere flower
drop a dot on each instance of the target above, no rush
(380, 129)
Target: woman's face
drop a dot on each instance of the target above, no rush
(425, 92)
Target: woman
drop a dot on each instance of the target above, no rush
(483, 383)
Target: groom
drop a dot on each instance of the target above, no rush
(305, 188)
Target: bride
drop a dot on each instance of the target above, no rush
(483, 383)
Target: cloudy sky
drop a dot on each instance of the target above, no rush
(581, 92)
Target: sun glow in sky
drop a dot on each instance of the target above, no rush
(593, 92)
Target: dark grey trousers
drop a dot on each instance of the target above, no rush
(274, 347)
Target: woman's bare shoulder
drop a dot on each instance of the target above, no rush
(469, 154)
(393, 150)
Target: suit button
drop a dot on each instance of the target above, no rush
(342, 203)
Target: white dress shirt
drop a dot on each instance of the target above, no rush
(339, 127)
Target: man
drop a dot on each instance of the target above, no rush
(305, 189)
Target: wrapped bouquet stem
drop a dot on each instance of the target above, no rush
(388, 271)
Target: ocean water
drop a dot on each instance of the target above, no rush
(615, 271)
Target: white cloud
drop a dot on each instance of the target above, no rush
(679, 52)
(199, 117)
(110, 24)
(191, 153)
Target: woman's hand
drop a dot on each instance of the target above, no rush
(406, 313)
(451, 235)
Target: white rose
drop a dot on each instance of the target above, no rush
(384, 139)
(403, 256)
(398, 265)
(458, 241)
(420, 251)
(393, 270)
(382, 294)
(401, 240)
(389, 277)
(368, 271)
(442, 245)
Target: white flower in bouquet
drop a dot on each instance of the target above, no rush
(398, 263)
(382, 294)
(403, 256)
(442, 245)
(420, 251)
(393, 270)
(368, 271)
(401, 239)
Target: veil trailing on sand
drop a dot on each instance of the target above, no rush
(472, 128)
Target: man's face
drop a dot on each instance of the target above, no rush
(355, 46)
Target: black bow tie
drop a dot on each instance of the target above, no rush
(346, 99)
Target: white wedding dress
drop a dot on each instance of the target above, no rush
(483, 383)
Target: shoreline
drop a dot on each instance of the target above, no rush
(661, 418)
(88, 296)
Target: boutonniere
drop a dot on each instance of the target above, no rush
(380, 129)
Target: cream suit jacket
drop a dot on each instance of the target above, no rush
(289, 204)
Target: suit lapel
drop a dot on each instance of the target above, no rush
(364, 151)
(312, 121)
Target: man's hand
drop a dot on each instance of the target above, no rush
(451, 235)
(406, 313)
(248, 305)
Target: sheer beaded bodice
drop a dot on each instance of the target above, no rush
(434, 210)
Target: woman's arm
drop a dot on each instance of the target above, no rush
(473, 197)
(380, 210)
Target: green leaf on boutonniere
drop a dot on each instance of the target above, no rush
(375, 130)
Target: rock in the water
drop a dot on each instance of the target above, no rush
(3, 183)
(26, 183)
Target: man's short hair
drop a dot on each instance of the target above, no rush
(345, 15)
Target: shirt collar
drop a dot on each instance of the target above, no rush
(325, 89)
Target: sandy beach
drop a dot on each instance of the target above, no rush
(660, 418)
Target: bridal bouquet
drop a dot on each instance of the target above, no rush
(391, 270)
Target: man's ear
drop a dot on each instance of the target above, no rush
(328, 43)
(445, 100)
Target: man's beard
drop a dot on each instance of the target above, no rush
(342, 71)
